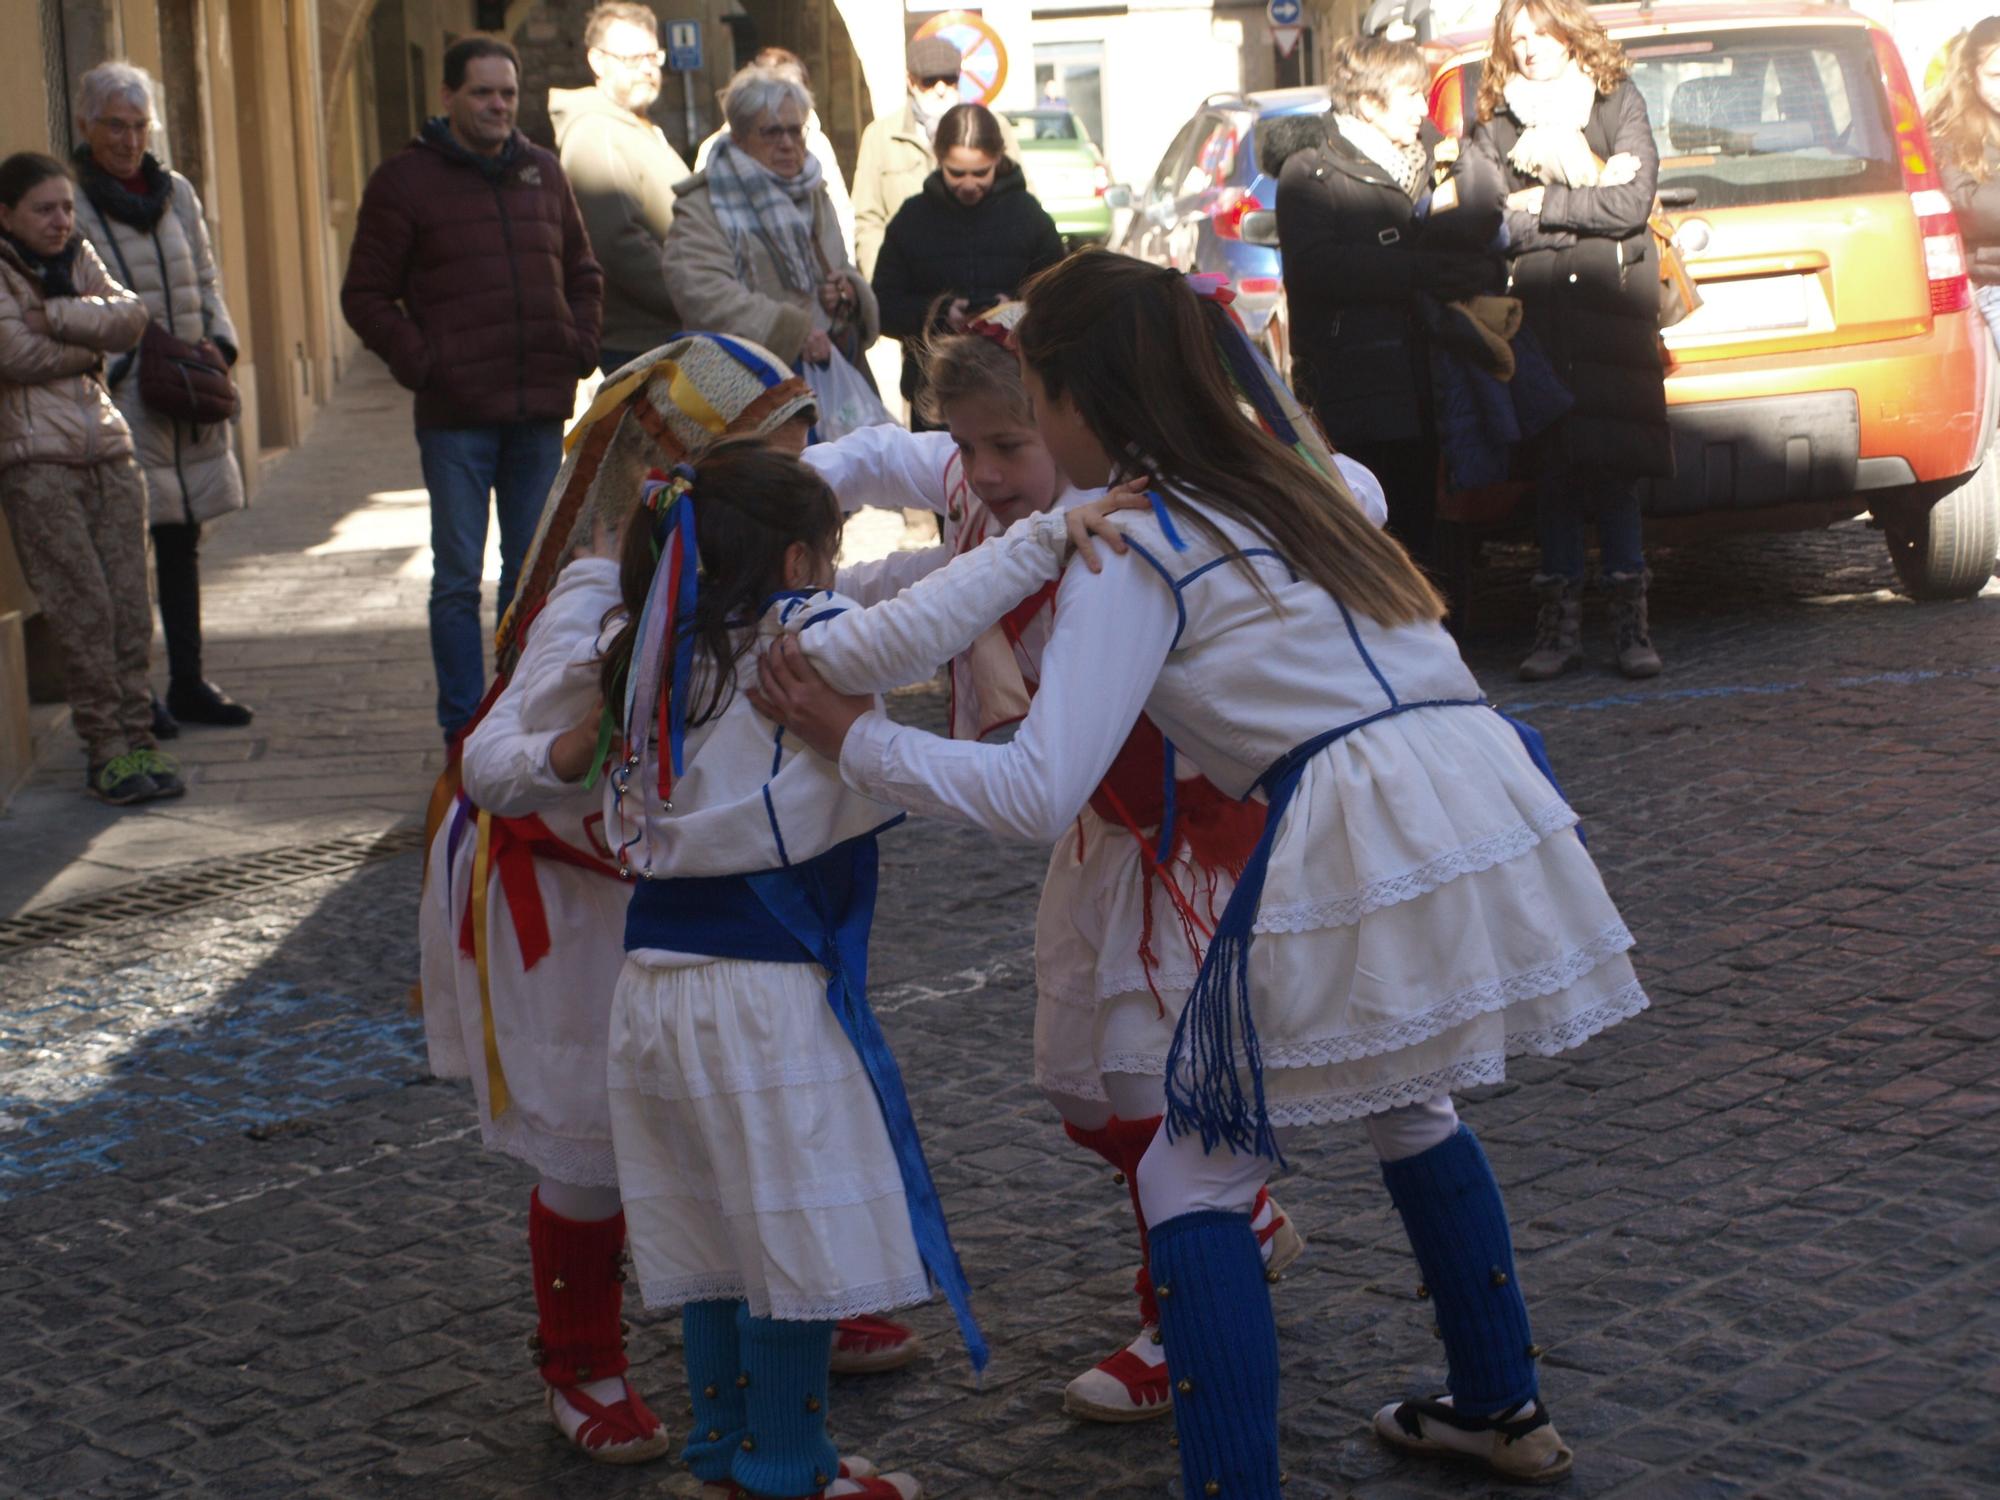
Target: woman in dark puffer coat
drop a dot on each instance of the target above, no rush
(1559, 114)
(968, 240)
(1965, 130)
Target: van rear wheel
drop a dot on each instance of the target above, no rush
(1945, 550)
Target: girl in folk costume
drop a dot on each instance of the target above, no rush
(769, 1165)
(524, 905)
(1418, 908)
(1121, 926)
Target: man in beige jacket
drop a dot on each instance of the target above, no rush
(624, 174)
(896, 154)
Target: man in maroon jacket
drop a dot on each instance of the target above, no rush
(472, 276)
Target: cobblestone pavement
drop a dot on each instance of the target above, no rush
(253, 1250)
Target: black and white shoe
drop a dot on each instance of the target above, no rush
(1519, 1443)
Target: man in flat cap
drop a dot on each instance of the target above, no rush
(896, 154)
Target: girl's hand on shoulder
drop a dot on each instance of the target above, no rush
(572, 752)
(791, 692)
(1092, 519)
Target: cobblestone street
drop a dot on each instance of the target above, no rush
(253, 1250)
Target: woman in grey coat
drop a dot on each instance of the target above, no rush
(145, 222)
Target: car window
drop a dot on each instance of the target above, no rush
(1213, 162)
(1046, 125)
(1745, 117)
(1168, 175)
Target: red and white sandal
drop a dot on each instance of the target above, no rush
(857, 1481)
(625, 1432)
(1130, 1386)
(869, 1345)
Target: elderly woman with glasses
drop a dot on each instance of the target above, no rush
(145, 222)
(755, 248)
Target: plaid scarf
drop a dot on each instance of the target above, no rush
(752, 200)
(1404, 164)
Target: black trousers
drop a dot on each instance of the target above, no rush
(177, 567)
(1408, 471)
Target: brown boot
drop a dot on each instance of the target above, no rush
(1558, 644)
(1636, 656)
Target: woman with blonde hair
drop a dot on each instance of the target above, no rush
(1964, 120)
(1559, 113)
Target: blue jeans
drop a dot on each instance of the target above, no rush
(515, 463)
(1987, 299)
(1565, 505)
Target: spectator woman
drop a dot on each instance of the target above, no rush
(755, 246)
(1347, 198)
(74, 499)
(1965, 129)
(145, 222)
(967, 241)
(1559, 113)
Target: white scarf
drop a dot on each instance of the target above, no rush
(929, 110)
(1552, 149)
(1404, 164)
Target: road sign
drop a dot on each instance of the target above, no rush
(684, 46)
(984, 66)
(1285, 12)
(1286, 38)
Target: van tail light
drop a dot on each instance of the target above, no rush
(1226, 216)
(1259, 286)
(1447, 104)
(1944, 250)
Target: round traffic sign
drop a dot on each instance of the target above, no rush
(984, 67)
(1285, 12)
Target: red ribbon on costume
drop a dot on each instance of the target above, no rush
(517, 844)
(1014, 624)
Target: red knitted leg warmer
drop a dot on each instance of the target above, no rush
(1122, 1143)
(579, 1291)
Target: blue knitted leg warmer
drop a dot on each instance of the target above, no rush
(785, 1450)
(1457, 1226)
(710, 1349)
(1222, 1353)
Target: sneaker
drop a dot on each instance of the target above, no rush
(165, 771)
(857, 1480)
(623, 1432)
(1514, 1445)
(1130, 1386)
(121, 781)
(869, 1345)
(204, 703)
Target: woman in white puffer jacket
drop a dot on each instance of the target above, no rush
(144, 220)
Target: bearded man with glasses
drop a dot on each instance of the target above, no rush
(624, 173)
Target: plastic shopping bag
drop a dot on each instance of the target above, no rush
(847, 402)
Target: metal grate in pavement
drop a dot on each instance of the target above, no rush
(170, 892)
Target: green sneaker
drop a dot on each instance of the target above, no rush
(164, 770)
(121, 780)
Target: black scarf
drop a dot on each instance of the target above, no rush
(114, 200)
(56, 273)
(437, 134)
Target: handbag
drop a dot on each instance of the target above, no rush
(1679, 296)
(180, 381)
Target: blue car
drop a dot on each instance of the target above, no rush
(1209, 207)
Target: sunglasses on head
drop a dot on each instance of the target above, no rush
(937, 78)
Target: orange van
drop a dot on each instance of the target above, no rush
(1836, 364)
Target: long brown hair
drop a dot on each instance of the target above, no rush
(1133, 348)
(1571, 21)
(1963, 130)
(751, 502)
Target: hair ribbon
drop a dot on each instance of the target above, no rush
(653, 719)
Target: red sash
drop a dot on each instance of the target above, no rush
(517, 844)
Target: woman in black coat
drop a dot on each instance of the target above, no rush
(1561, 117)
(1965, 131)
(967, 241)
(1355, 271)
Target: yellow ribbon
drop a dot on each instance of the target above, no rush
(497, 1097)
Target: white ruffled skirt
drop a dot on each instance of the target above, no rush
(752, 1154)
(551, 1023)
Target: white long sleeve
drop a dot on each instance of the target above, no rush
(1113, 632)
(890, 468)
(1364, 487)
(906, 638)
(868, 583)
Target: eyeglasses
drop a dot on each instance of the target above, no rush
(636, 59)
(781, 132)
(124, 129)
(927, 84)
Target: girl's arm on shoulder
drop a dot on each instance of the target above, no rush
(887, 467)
(885, 577)
(1112, 635)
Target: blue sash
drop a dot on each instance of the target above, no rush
(818, 911)
(1215, 1041)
